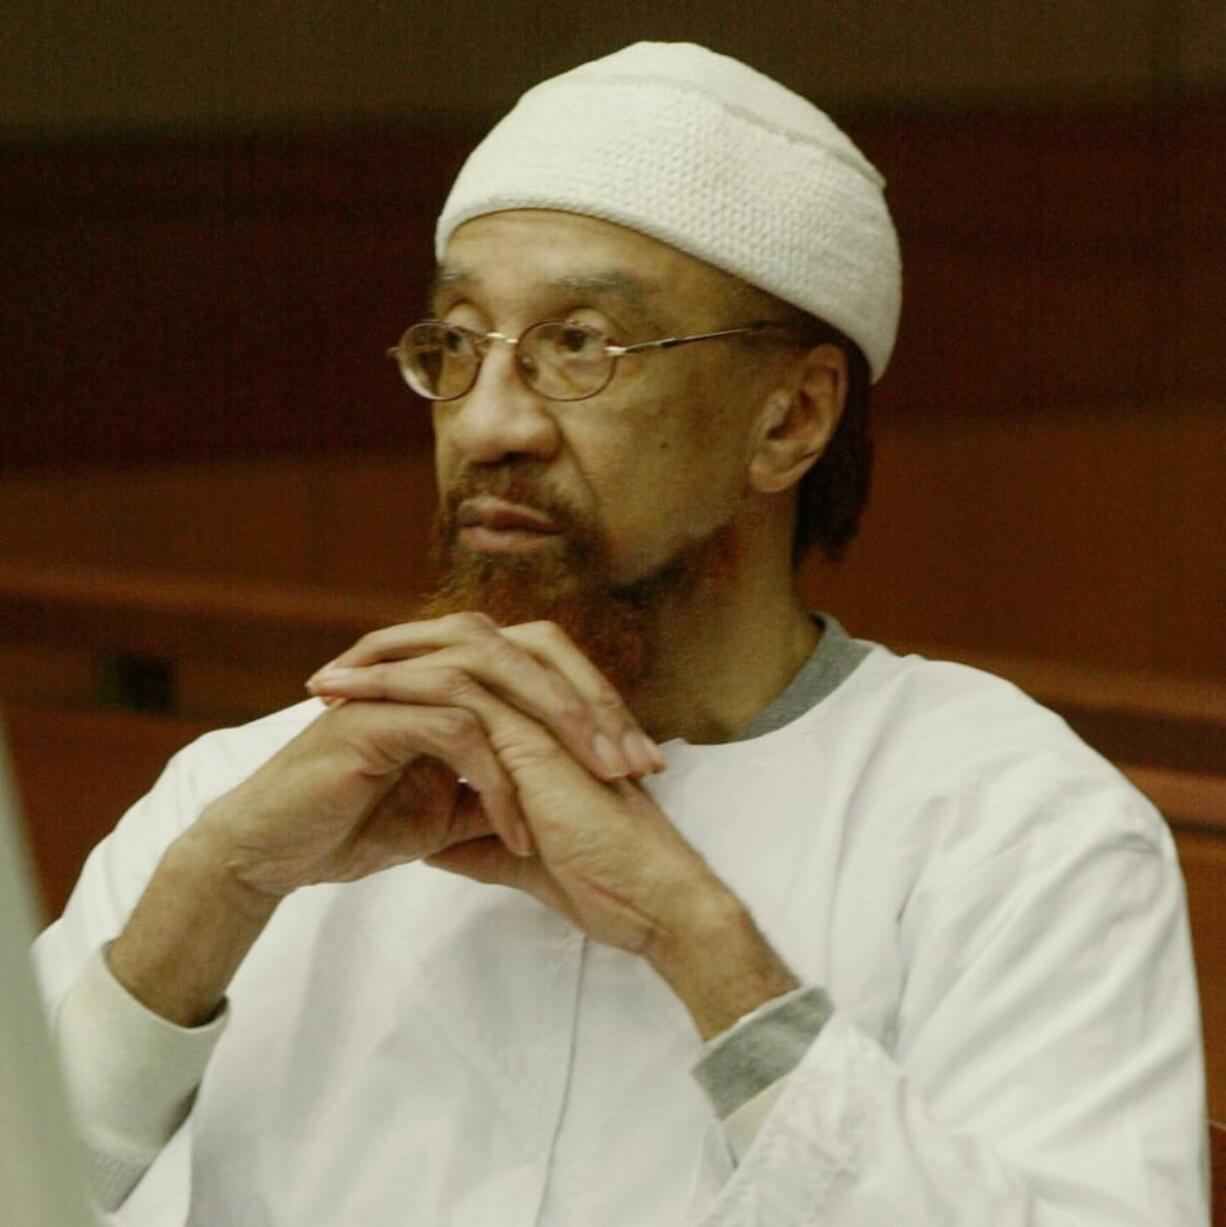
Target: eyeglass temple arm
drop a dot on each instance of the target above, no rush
(672, 342)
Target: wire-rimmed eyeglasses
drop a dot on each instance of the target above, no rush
(556, 359)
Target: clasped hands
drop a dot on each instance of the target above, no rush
(498, 753)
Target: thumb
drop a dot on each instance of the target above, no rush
(469, 820)
(484, 860)
(487, 860)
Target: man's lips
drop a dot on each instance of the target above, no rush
(499, 516)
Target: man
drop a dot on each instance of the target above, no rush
(746, 921)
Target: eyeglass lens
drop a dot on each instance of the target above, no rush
(559, 360)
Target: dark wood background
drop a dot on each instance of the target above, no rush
(1051, 431)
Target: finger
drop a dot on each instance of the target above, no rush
(486, 860)
(548, 643)
(408, 639)
(546, 676)
(545, 775)
(483, 860)
(468, 819)
(460, 676)
(457, 739)
(596, 730)
(428, 810)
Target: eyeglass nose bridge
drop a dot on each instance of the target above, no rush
(483, 342)
(525, 368)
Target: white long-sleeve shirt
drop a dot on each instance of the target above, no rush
(994, 914)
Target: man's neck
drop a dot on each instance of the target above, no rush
(719, 660)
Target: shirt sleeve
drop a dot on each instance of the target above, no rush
(131, 1074)
(1044, 1069)
(99, 1028)
(743, 1069)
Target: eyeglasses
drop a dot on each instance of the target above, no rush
(556, 359)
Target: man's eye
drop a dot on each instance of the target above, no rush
(578, 341)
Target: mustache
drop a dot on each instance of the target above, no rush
(520, 484)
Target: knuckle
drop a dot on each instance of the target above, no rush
(570, 709)
(499, 651)
(608, 701)
(373, 642)
(453, 683)
(377, 678)
(366, 645)
(456, 724)
(542, 634)
(527, 755)
(551, 632)
(470, 623)
(367, 682)
(489, 655)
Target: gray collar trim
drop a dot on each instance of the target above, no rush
(830, 664)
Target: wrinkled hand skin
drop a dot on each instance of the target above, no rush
(356, 792)
(606, 855)
(375, 781)
(364, 787)
(501, 755)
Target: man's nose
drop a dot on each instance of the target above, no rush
(500, 416)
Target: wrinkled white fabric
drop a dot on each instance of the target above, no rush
(997, 916)
(133, 1076)
(744, 1124)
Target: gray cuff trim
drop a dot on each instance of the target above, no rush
(747, 1058)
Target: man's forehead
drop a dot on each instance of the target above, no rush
(541, 250)
(598, 282)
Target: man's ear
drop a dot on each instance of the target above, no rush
(798, 421)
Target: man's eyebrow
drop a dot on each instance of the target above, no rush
(602, 283)
(445, 276)
(616, 284)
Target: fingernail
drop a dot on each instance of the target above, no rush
(611, 760)
(658, 762)
(638, 751)
(523, 840)
(329, 677)
(657, 755)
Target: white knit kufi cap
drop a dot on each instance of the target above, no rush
(706, 154)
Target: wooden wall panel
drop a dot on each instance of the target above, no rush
(216, 299)
(1051, 432)
(1091, 536)
(345, 523)
(1194, 196)
(196, 299)
(1058, 259)
(116, 757)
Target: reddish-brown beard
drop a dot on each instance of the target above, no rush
(568, 581)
